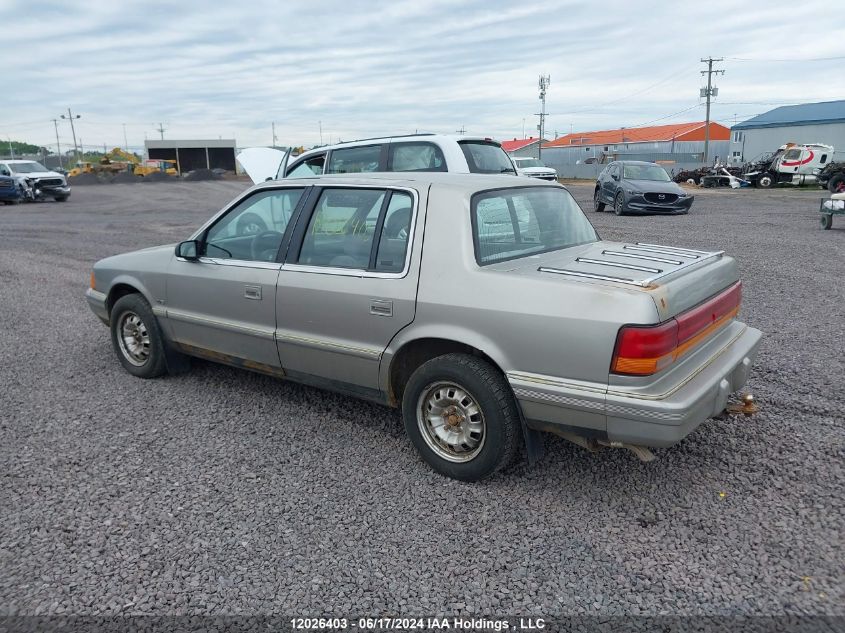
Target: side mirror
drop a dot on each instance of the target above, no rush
(188, 250)
(615, 177)
(4, 172)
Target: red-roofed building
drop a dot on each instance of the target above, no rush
(674, 146)
(528, 147)
(656, 133)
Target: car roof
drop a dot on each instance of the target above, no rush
(469, 183)
(637, 162)
(397, 138)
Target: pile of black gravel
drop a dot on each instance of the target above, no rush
(201, 174)
(85, 179)
(124, 177)
(159, 176)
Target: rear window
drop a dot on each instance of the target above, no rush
(486, 158)
(512, 223)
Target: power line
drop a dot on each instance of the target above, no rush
(767, 60)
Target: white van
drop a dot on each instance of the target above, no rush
(415, 152)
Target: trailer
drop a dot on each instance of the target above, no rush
(828, 208)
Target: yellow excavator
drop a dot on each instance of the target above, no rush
(118, 160)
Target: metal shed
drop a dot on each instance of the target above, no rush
(822, 122)
(194, 154)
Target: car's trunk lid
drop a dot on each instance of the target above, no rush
(676, 278)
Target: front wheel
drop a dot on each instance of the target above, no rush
(766, 181)
(619, 204)
(136, 337)
(826, 221)
(60, 198)
(598, 205)
(461, 416)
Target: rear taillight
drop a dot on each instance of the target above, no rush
(642, 350)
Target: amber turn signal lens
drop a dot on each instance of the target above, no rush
(93, 284)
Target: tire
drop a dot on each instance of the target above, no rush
(619, 204)
(250, 224)
(598, 205)
(60, 198)
(144, 357)
(470, 389)
(826, 221)
(836, 184)
(765, 181)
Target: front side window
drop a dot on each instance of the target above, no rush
(512, 223)
(793, 154)
(416, 157)
(253, 230)
(354, 160)
(485, 157)
(363, 229)
(312, 166)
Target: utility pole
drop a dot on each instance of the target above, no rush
(320, 124)
(11, 149)
(58, 145)
(125, 142)
(462, 131)
(70, 116)
(543, 84)
(274, 133)
(161, 131)
(708, 92)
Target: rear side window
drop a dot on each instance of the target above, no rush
(512, 223)
(416, 157)
(486, 158)
(362, 229)
(354, 160)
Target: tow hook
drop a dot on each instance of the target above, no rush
(747, 407)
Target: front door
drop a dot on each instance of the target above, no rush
(348, 285)
(224, 304)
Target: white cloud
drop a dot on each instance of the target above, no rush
(367, 68)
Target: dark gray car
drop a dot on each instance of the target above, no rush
(633, 186)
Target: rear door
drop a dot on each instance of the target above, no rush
(348, 284)
(611, 181)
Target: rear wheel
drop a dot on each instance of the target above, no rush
(826, 221)
(836, 184)
(619, 204)
(461, 416)
(136, 337)
(598, 205)
(766, 181)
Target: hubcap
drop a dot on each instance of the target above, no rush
(134, 339)
(451, 422)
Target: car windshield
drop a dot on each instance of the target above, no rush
(27, 168)
(486, 158)
(522, 163)
(517, 222)
(645, 172)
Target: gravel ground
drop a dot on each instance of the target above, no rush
(225, 492)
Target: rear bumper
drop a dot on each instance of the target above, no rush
(97, 303)
(657, 420)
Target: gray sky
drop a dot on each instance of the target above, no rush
(207, 69)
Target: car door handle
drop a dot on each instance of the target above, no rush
(381, 307)
(252, 292)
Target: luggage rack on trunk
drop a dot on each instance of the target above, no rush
(641, 251)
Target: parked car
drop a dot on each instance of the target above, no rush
(36, 181)
(486, 307)
(533, 168)
(10, 193)
(633, 186)
(416, 152)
